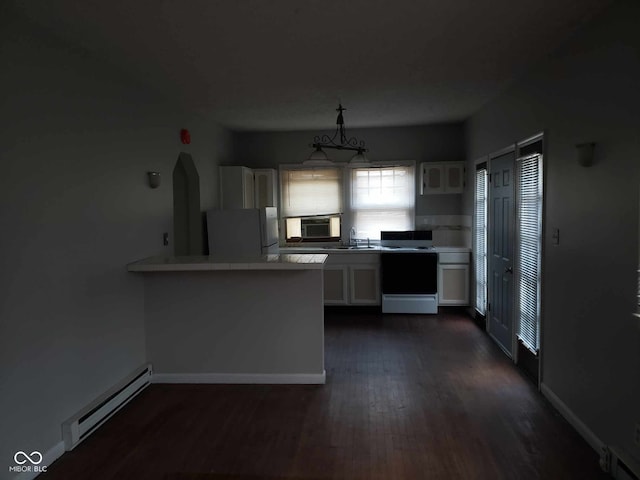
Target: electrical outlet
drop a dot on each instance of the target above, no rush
(636, 435)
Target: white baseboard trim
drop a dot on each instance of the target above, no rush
(48, 458)
(571, 417)
(241, 378)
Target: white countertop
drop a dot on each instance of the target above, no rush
(283, 261)
(452, 249)
(374, 249)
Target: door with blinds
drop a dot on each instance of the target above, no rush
(514, 253)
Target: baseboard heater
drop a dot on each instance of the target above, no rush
(619, 464)
(87, 420)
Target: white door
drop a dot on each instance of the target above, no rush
(501, 227)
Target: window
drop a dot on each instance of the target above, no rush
(382, 198)
(480, 240)
(528, 246)
(637, 312)
(311, 191)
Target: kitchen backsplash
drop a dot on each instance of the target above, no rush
(448, 230)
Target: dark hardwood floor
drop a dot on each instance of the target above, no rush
(407, 397)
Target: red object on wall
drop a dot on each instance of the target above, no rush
(185, 136)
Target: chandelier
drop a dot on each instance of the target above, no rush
(338, 141)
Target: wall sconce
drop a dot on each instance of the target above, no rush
(154, 179)
(586, 153)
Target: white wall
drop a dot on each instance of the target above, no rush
(587, 91)
(430, 143)
(76, 141)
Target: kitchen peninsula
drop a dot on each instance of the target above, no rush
(220, 319)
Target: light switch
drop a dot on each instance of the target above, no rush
(556, 236)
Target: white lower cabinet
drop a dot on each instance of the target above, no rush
(453, 278)
(364, 284)
(335, 285)
(352, 279)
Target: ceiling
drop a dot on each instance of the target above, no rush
(285, 64)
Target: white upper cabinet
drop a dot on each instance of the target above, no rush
(242, 187)
(439, 178)
(432, 178)
(236, 187)
(265, 187)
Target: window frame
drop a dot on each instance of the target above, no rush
(480, 240)
(526, 298)
(350, 211)
(347, 214)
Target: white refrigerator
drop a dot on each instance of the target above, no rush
(245, 231)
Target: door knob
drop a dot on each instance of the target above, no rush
(508, 270)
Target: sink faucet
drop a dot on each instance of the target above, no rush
(352, 234)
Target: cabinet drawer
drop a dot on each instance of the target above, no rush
(453, 257)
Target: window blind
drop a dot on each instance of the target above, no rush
(528, 246)
(637, 312)
(481, 239)
(382, 198)
(311, 191)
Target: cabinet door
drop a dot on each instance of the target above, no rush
(432, 178)
(454, 178)
(236, 187)
(453, 284)
(335, 285)
(247, 188)
(265, 187)
(364, 284)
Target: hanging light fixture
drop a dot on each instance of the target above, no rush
(338, 141)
